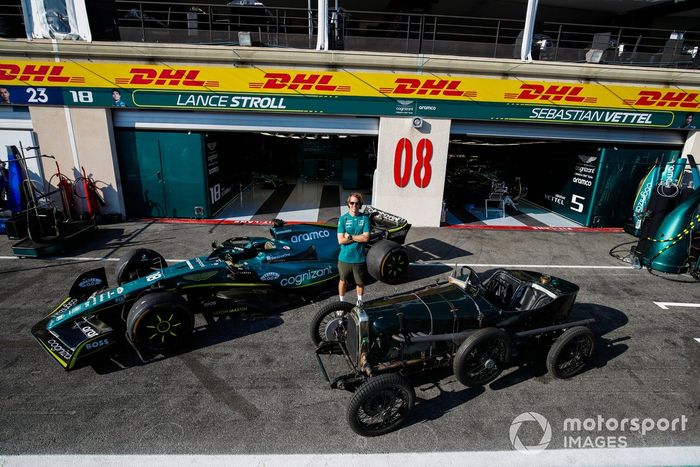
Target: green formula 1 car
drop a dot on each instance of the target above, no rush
(153, 305)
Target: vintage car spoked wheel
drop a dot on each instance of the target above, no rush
(380, 405)
(482, 357)
(325, 325)
(570, 352)
(139, 263)
(387, 261)
(159, 322)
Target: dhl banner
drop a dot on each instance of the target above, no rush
(343, 92)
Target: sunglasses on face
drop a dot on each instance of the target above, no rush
(354, 203)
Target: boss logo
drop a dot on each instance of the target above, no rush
(96, 344)
(89, 282)
(269, 276)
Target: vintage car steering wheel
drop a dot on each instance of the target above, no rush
(473, 278)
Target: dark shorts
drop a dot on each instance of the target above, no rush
(354, 271)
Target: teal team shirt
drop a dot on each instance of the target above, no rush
(354, 225)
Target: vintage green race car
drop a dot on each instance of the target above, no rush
(153, 305)
(473, 327)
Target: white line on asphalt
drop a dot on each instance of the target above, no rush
(559, 266)
(65, 258)
(666, 305)
(681, 455)
(697, 339)
(82, 258)
(418, 264)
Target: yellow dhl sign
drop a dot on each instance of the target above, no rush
(341, 83)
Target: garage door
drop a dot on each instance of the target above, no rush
(568, 133)
(206, 121)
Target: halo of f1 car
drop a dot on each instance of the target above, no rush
(473, 326)
(153, 305)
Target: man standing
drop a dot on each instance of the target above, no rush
(353, 234)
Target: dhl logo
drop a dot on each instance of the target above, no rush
(686, 100)
(167, 77)
(430, 87)
(550, 93)
(299, 81)
(36, 73)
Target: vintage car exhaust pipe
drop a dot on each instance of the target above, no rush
(461, 336)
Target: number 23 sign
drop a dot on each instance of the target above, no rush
(404, 163)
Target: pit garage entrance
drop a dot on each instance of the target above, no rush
(243, 167)
(559, 176)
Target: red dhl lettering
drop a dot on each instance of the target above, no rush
(167, 77)
(551, 93)
(35, 73)
(300, 81)
(668, 99)
(431, 87)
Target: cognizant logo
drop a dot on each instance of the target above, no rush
(306, 276)
(309, 236)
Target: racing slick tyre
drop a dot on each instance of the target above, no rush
(387, 261)
(482, 357)
(570, 352)
(327, 321)
(139, 263)
(380, 405)
(159, 323)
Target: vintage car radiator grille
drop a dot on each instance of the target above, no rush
(353, 337)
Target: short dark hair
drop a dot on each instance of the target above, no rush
(355, 195)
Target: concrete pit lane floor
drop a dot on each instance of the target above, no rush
(252, 385)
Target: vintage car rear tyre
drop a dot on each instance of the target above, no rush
(139, 263)
(159, 323)
(324, 319)
(482, 357)
(387, 261)
(380, 405)
(570, 352)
